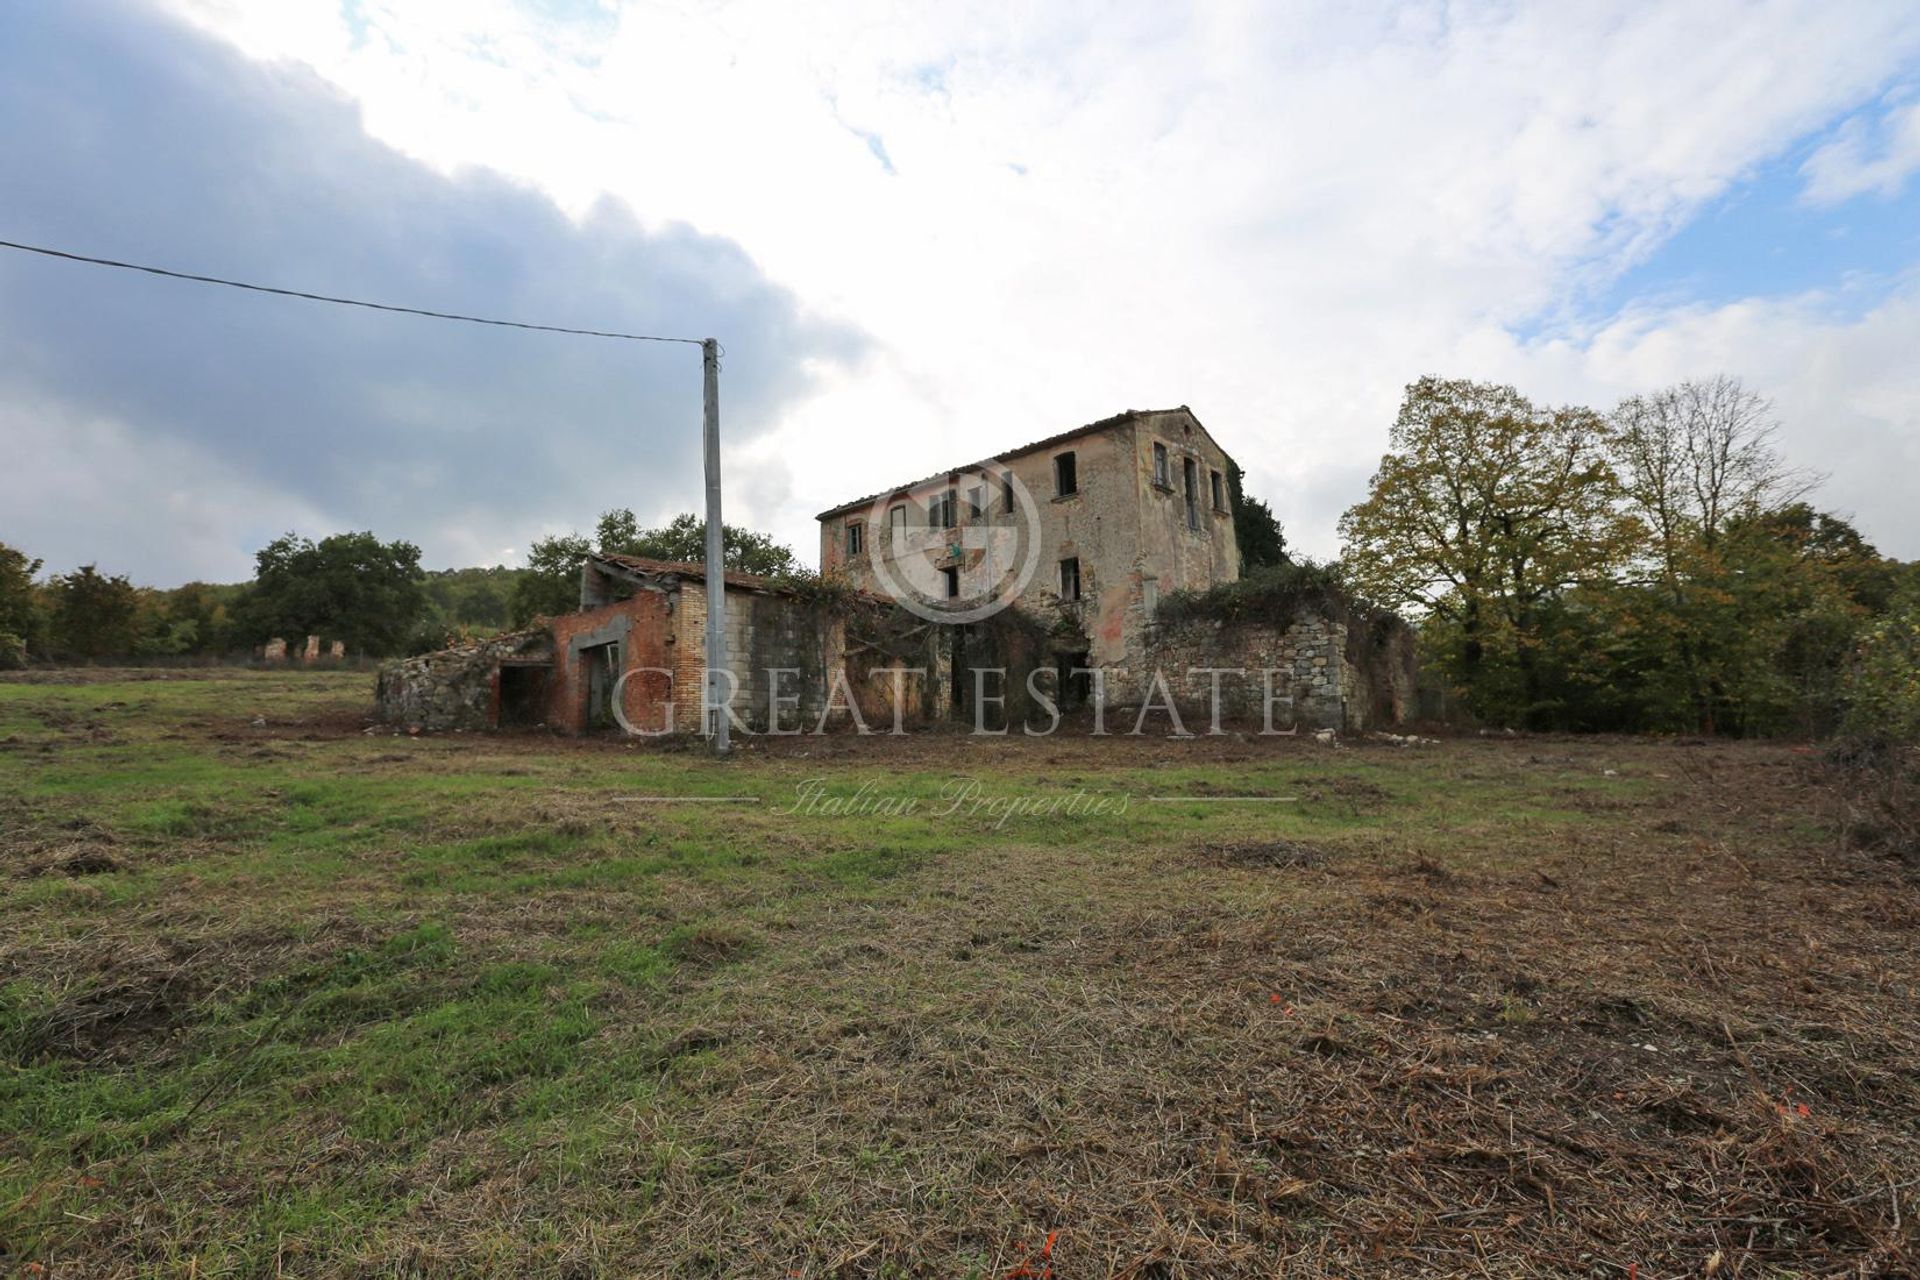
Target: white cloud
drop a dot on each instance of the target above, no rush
(1279, 215)
(1862, 159)
(1841, 376)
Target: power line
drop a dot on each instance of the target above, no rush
(344, 302)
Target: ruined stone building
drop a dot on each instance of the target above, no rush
(971, 594)
(1088, 532)
(640, 629)
(1107, 518)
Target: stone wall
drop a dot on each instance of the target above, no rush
(1322, 671)
(454, 688)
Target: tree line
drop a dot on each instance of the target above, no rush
(350, 587)
(1660, 567)
(370, 594)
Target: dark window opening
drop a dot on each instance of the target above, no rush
(1070, 578)
(1219, 492)
(940, 511)
(976, 502)
(1006, 493)
(1161, 475)
(1191, 474)
(523, 697)
(1066, 477)
(856, 538)
(952, 574)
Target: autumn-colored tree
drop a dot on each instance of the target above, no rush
(1696, 460)
(1484, 513)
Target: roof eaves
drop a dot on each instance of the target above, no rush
(1104, 424)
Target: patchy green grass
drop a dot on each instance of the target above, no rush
(278, 996)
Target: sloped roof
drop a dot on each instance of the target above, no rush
(1129, 415)
(690, 569)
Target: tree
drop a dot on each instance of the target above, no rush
(1254, 527)
(1795, 587)
(22, 623)
(190, 619)
(94, 616)
(350, 587)
(1694, 459)
(1884, 682)
(1483, 514)
(552, 582)
(684, 538)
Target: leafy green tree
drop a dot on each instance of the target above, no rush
(1254, 527)
(22, 620)
(1883, 686)
(465, 602)
(187, 620)
(684, 538)
(94, 616)
(1485, 512)
(349, 586)
(551, 583)
(1794, 588)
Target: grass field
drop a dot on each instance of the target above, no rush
(278, 996)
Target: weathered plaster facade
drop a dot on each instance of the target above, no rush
(1146, 513)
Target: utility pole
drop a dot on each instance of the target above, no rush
(716, 552)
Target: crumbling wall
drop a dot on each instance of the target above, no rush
(1328, 670)
(765, 632)
(869, 641)
(1306, 659)
(453, 688)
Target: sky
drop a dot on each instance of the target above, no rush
(923, 234)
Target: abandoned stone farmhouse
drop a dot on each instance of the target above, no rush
(1082, 536)
(1109, 515)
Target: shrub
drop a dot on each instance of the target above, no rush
(1271, 593)
(1883, 694)
(13, 652)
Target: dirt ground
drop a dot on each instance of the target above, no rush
(282, 996)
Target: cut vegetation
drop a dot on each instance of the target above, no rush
(280, 997)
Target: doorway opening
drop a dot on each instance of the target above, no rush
(601, 663)
(523, 695)
(1075, 681)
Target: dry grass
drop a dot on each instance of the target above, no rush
(462, 1006)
